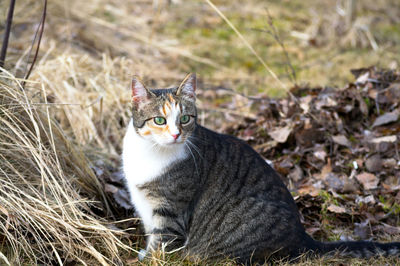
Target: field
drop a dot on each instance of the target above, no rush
(61, 130)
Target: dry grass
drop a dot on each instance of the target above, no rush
(48, 192)
(74, 109)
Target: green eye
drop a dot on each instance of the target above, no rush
(185, 119)
(159, 120)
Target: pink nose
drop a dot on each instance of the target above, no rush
(175, 136)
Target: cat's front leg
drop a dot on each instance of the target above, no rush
(153, 244)
(164, 239)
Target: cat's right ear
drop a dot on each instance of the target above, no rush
(139, 91)
(188, 86)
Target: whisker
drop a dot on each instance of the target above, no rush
(198, 139)
(195, 148)
(194, 159)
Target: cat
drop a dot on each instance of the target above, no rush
(209, 195)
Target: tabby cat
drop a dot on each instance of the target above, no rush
(209, 195)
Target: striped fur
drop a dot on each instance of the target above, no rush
(212, 196)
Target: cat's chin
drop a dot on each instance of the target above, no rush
(171, 145)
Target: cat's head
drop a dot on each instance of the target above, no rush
(166, 117)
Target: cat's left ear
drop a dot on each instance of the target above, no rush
(188, 86)
(139, 92)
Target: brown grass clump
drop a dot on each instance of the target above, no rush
(48, 192)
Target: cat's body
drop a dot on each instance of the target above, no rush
(211, 195)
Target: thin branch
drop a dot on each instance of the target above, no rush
(249, 46)
(275, 35)
(351, 6)
(292, 73)
(233, 92)
(7, 33)
(39, 30)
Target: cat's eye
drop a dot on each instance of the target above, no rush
(160, 120)
(185, 119)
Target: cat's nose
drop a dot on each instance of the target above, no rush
(175, 136)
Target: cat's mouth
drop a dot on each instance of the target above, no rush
(172, 143)
(175, 141)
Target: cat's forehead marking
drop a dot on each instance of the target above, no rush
(169, 105)
(171, 99)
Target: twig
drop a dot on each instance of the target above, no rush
(233, 92)
(7, 33)
(292, 73)
(249, 46)
(275, 35)
(39, 30)
(350, 12)
(229, 111)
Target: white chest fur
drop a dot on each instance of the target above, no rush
(142, 162)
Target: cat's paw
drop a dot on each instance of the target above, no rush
(142, 254)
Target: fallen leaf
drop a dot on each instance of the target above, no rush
(325, 171)
(341, 140)
(312, 230)
(390, 139)
(389, 163)
(336, 209)
(374, 163)
(334, 182)
(350, 185)
(305, 103)
(342, 236)
(373, 93)
(386, 118)
(359, 163)
(319, 152)
(368, 180)
(281, 134)
(307, 137)
(391, 230)
(117, 177)
(368, 199)
(98, 171)
(394, 92)
(357, 72)
(248, 134)
(362, 105)
(363, 78)
(296, 174)
(123, 199)
(132, 261)
(310, 190)
(325, 101)
(267, 145)
(110, 188)
(362, 230)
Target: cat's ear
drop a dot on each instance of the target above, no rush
(139, 92)
(188, 86)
